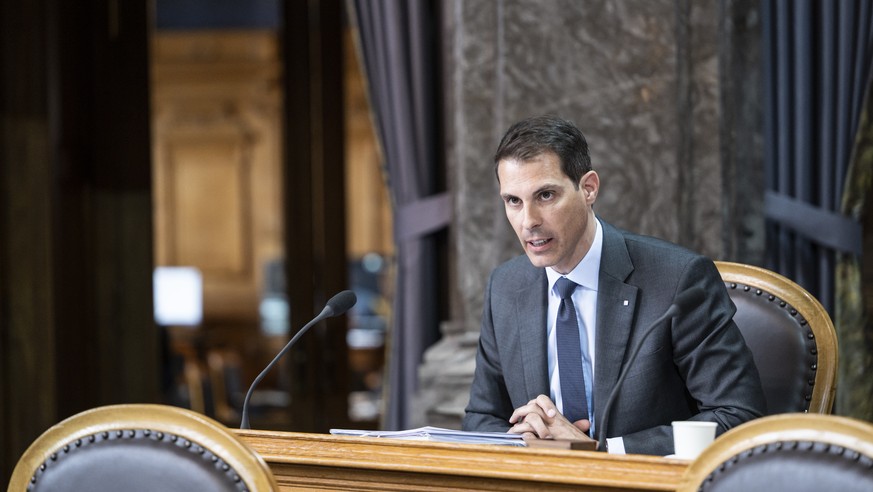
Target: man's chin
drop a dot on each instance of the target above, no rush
(539, 261)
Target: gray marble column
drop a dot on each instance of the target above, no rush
(639, 78)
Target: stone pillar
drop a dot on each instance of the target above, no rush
(639, 78)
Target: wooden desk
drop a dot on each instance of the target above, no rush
(324, 462)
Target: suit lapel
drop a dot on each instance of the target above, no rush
(531, 304)
(616, 305)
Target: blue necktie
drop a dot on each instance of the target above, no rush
(570, 354)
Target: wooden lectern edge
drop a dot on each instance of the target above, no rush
(552, 461)
(538, 446)
(573, 444)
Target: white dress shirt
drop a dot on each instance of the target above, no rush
(586, 274)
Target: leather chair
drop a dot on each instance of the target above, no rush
(140, 447)
(789, 452)
(791, 337)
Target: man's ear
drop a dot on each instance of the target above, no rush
(590, 185)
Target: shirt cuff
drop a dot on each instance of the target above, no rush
(615, 445)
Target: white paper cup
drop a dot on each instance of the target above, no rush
(691, 437)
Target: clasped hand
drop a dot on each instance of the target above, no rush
(540, 418)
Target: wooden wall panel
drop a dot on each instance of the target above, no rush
(209, 198)
(217, 125)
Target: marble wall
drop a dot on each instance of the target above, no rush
(639, 78)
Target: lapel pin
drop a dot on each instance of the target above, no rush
(625, 302)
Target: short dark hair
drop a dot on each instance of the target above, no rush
(537, 135)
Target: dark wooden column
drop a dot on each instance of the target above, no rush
(75, 227)
(314, 204)
(27, 368)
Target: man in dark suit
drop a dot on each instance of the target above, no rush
(693, 367)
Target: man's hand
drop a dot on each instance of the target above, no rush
(540, 418)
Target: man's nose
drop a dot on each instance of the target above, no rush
(531, 218)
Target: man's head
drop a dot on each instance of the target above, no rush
(548, 190)
(534, 136)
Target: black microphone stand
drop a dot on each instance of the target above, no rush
(683, 301)
(336, 306)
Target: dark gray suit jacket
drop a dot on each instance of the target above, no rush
(694, 367)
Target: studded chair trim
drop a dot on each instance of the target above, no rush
(797, 451)
(774, 313)
(140, 442)
(802, 465)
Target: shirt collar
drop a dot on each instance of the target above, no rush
(587, 272)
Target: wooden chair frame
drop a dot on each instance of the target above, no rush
(811, 310)
(181, 422)
(843, 432)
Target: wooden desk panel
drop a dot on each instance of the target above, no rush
(324, 462)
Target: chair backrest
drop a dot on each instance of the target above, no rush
(140, 447)
(790, 452)
(791, 337)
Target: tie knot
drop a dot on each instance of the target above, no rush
(565, 287)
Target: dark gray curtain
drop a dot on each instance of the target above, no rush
(397, 39)
(816, 66)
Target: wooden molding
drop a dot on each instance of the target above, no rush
(327, 462)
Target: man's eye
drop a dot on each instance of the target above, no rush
(513, 201)
(547, 195)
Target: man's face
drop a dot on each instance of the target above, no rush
(552, 219)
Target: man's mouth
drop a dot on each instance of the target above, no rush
(536, 243)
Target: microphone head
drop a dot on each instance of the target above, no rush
(341, 303)
(687, 299)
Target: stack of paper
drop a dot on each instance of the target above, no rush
(439, 434)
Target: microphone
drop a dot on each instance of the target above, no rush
(684, 301)
(336, 306)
